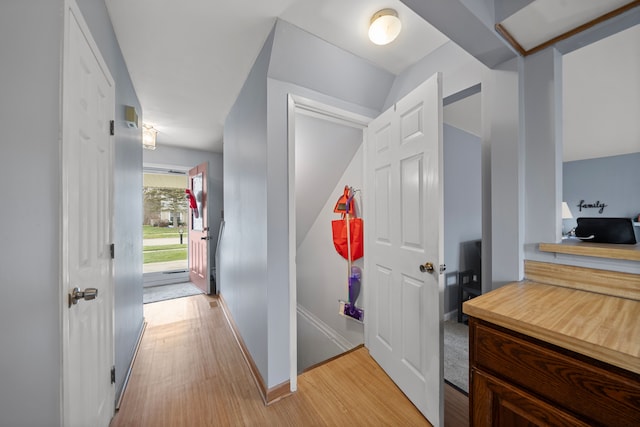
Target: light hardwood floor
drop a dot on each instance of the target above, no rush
(189, 372)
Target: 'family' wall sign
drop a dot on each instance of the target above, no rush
(597, 205)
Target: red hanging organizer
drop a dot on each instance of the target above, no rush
(348, 231)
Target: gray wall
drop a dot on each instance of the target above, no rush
(302, 59)
(291, 49)
(462, 202)
(613, 180)
(541, 81)
(506, 193)
(243, 255)
(522, 172)
(30, 41)
(519, 151)
(127, 231)
(256, 154)
(459, 69)
(333, 77)
(499, 101)
(540, 105)
(30, 217)
(468, 28)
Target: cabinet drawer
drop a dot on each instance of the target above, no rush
(498, 404)
(597, 394)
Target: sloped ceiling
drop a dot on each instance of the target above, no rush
(189, 59)
(542, 21)
(323, 151)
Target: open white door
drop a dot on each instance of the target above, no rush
(404, 231)
(88, 392)
(199, 229)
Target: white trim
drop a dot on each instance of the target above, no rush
(322, 111)
(161, 167)
(366, 209)
(134, 355)
(341, 342)
(179, 275)
(309, 107)
(168, 277)
(71, 10)
(453, 314)
(293, 292)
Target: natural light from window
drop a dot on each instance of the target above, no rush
(165, 222)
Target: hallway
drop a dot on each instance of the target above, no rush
(189, 371)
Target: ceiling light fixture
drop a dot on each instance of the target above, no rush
(149, 134)
(385, 26)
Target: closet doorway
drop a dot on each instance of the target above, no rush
(326, 155)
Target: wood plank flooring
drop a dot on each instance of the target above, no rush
(189, 372)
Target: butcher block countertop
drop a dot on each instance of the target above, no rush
(606, 328)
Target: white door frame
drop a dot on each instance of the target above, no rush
(164, 277)
(72, 11)
(301, 105)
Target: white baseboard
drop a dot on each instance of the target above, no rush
(451, 315)
(164, 278)
(340, 341)
(125, 383)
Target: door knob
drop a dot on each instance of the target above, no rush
(76, 295)
(426, 267)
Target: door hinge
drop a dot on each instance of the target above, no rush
(112, 127)
(112, 249)
(113, 375)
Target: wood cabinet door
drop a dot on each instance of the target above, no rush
(596, 393)
(495, 403)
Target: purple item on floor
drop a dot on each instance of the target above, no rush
(350, 308)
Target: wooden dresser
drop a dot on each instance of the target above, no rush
(561, 348)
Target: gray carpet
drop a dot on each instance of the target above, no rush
(456, 354)
(166, 292)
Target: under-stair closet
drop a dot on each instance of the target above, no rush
(328, 156)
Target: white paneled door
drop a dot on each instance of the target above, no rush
(404, 229)
(88, 95)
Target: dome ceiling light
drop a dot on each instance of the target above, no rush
(385, 26)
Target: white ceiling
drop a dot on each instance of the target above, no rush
(601, 98)
(188, 59)
(543, 20)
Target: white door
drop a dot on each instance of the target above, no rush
(199, 229)
(87, 330)
(404, 230)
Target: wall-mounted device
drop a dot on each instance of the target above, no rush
(131, 116)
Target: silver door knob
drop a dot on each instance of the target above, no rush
(87, 295)
(427, 267)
